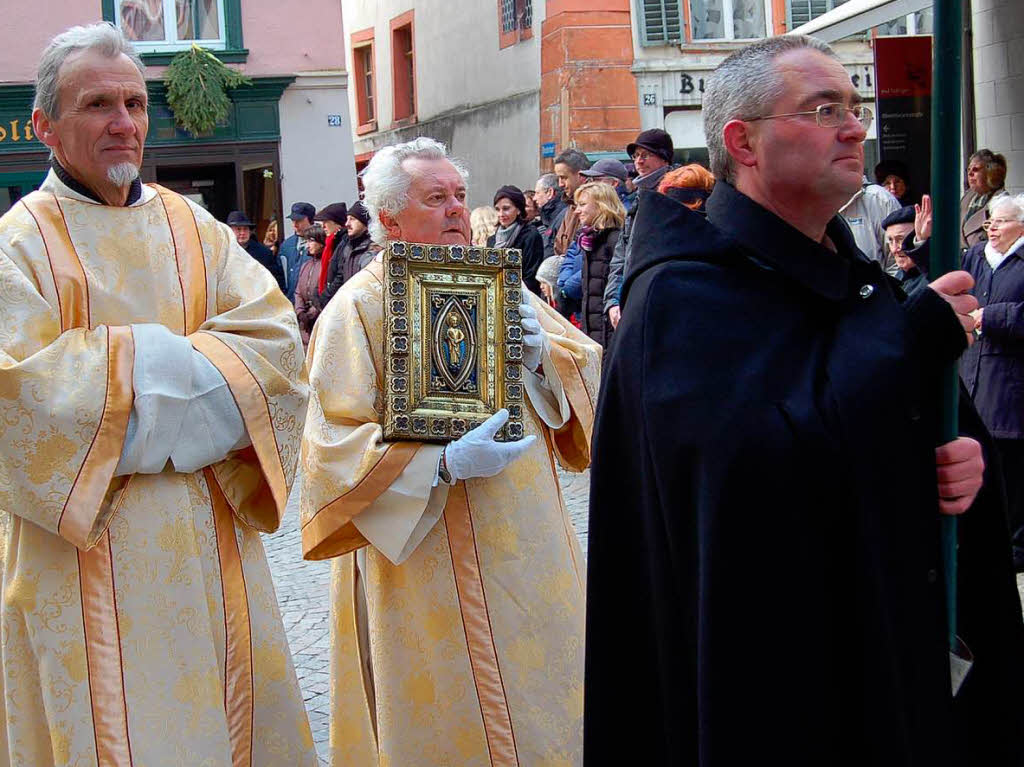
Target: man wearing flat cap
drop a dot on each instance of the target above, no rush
(652, 155)
(293, 249)
(898, 231)
(242, 227)
(333, 218)
(356, 251)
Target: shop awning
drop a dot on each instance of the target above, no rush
(856, 16)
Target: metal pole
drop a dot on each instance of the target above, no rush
(945, 245)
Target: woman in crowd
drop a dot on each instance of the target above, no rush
(515, 231)
(601, 218)
(993, 366)
(483, 222)
(307, 287)
(986, 175)
(691, 185)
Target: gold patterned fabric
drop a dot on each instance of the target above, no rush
(139, 621)
(473, 647)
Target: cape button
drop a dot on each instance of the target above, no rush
(866, 291)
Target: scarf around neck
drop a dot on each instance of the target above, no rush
(505, 236)
(325, 259)
(995, 258)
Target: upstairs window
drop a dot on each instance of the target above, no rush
(800, 12)
(170, 25)
(661, 22)
(364, 71)
(729, 19)
(403, 67)
(515, 21)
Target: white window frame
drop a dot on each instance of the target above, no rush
(171, 31)
(730, 34)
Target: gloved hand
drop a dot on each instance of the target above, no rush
(535, 340)
(476, 454)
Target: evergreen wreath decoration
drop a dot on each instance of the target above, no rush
(197, 82)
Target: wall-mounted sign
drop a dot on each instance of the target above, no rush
(334, 121)
(650, 99)
(547, 149)
(904, 106)
(15, 131)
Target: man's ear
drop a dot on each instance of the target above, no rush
(740, 141)
(43, 127)
(391, 227)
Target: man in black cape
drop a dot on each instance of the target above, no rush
(765, 582)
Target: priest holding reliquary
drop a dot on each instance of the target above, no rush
(442, 394)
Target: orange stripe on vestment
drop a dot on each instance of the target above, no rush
(84, 518)
(188, 253)
(68, 275)
(238, 677)
(330, 532)
(103, 655)
(483, 656)
(255, 409)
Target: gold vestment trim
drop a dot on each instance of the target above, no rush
(330, 532)
(238, 675)
(483, 656)
(103, 655)
(68, 275)
(255, 409)
(188, 252)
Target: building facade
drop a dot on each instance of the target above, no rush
(286, 137)
(467, 75)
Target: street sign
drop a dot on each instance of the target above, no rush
(547, 149)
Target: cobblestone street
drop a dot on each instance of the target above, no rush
(302, 593)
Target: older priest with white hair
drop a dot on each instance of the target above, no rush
(458, 591)
(152, 405)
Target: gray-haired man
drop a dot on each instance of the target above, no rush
(143, 353)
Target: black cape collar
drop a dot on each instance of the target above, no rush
(134, 193)
(779, 246)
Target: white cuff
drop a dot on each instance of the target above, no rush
(213, 425)
(547, 395)
(162, 380)
(401, 517)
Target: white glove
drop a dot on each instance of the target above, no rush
(476, 454)
(535, 340)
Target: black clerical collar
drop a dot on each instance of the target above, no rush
(784, 248)
(134, 192)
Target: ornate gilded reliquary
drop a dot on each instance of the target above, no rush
(453, 342)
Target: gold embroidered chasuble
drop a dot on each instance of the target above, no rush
(139, 621)
(470, 652)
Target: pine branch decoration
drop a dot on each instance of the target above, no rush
(197, 84)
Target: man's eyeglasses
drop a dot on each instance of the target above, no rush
(830, 115)
(997, 222)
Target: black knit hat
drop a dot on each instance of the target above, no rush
(359, 212)
(514, 195)
(336, 212)
(904, 215)
(654, 140)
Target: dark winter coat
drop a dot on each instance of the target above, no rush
(551, 214)
(761, 587)
(266, 257)
(993, 368)
(529, 241)
(595, 276)
(335, 269)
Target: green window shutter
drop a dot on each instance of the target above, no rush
(661, 22)
(802, 11)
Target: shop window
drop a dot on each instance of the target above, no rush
(403, 67)
(661, 22)
(802, 11)
(162, 28)
(729, 19)
(364, 71)
(515, 21)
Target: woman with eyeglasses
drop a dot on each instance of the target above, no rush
(993, 367)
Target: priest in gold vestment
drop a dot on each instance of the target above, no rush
(458, 584)
(151, 403)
